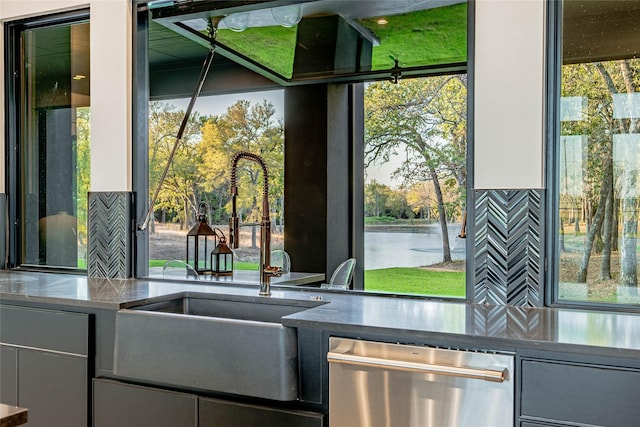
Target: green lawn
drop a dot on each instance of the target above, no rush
(421, 38)
(401, 280)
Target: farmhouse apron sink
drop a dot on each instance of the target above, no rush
(227, 344)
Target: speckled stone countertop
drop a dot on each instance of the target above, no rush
(358, 314)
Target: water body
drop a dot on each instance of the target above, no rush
(404, 249)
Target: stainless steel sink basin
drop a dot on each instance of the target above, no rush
(227, 344)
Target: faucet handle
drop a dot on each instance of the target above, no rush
(273, 271)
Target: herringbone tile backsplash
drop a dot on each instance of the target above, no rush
(508, 247)
(109, 235)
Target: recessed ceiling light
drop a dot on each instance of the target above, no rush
(382, 21)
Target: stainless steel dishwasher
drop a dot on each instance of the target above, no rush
(375, 384)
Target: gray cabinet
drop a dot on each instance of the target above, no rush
(8, 375)
(562, 393)
(120, 404)
(53, 387)
(221, 413)
(45, 364)
(127, 405)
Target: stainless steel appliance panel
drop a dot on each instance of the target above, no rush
(375, 384)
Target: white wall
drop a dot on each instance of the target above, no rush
(111, 95)
(110, 84)
(509, 94)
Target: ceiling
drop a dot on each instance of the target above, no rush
(600, 30)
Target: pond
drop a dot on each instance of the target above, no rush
(407, 249)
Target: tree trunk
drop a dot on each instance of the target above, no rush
(185, 208)
(446, 247)
(594, 229)
(615, 224)
(561, 238)
(254, 237)
(628, 258)
(605, 261)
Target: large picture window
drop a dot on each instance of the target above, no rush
(359, 109)
(598, 153)
(415, 186)
(199, 174)
(52, 113)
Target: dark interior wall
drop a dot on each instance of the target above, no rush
(305, 178)
(338, 172)
(321, 166)
(224, 77)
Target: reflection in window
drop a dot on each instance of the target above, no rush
(599, 153)
(415, 198)
(220, 127)
(54, 145)
(325, 38)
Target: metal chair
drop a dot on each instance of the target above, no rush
(175, 269)
(342, 276)
(280, 258)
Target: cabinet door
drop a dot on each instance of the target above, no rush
(580, 394)
(8, 375)
(220, 413)
(54, 387)
(120, 404)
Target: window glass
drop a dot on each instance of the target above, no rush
(415, 183)
(598, 153)
(54, 145)
(415, 186)
(200, 173)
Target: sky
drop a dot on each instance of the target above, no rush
(217, 105)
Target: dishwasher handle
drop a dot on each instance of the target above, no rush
(425, 368)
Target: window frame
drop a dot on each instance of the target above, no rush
(141, 95)
(13, 133)
(552, 171)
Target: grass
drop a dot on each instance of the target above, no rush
(422, 38)
(428, 37)
(399, 280)
(380, 220)
(416, 281)
(273, 47)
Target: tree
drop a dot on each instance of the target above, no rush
(376, 196)
(425, 119)
(421, 200)
(83, 160)
(179, 193)
(252, 128)
(610, 164)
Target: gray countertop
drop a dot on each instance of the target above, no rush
(589, 332)
(78, 290)
(11, 416)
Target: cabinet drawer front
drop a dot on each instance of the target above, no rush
(230, 414)
(124, 405)
(44, 329)
(581, 394)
